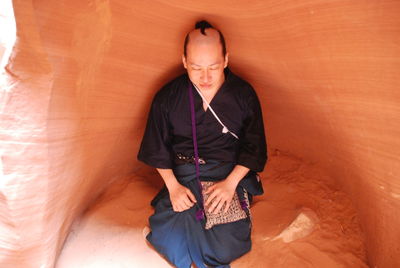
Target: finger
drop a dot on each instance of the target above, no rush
(218, 208)
(176, 208)
(182, 202)
(210, 198)
(213, 205)
(180, 207)
(188, 203)
(191, 196)
(228, 204)
(210, 189)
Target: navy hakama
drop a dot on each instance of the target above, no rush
(182, 239)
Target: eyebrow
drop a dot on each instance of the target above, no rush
(197, 65)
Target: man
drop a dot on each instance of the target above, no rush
(229, 134)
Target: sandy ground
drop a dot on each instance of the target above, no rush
(300, 221)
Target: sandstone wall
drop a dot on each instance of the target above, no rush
(77, 87)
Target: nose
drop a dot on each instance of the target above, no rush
(205, 76)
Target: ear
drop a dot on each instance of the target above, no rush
(184, 61)
(226, 60)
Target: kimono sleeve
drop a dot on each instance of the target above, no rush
(252, 143)
(155, 149)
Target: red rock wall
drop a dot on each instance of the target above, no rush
(82, 74)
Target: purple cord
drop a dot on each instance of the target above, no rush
(200, 212)
(243, 204)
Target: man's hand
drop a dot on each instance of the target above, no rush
(221, 194)
(181, 197)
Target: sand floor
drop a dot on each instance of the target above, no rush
(302, 220)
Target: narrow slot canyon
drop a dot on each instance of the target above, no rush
(77, 80)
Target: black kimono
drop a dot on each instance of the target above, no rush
(178, 235)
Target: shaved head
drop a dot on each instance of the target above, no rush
(211, 36)
(204, 33)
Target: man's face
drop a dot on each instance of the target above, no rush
(205, 63)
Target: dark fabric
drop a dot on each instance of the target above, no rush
(213, 171)
(168, 129)
(179, 236)
(182, 239)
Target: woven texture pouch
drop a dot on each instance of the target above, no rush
(234, 213)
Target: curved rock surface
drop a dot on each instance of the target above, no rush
(77, 82)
